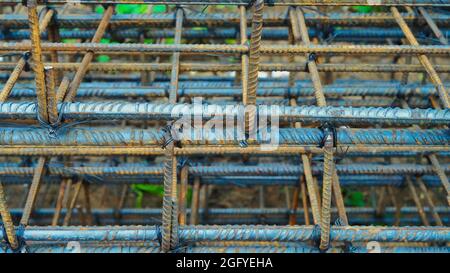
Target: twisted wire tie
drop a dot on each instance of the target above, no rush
(6, 245)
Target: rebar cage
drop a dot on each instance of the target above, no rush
(93, 92)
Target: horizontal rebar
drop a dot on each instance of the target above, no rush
(196, 19)
(158, 90)
(143, 169)
(202, 67)
(231, 49)
(238, 181)
(238, 233)
(226, 212)
(372, 34)
(149, 111)
(147, 137)
(45, 248)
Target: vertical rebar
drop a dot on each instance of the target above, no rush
(254, 52)
(183, 194)
(51, 95)
(39, 172)
(416, 199)
(244, 57)
(328, 172)
(170, 200)
(310, 59)
(338, 198)
(441, 174)
(7, 220)
(195, 201)
(59, 201)
(253, 66)
(87, 203)
(429, 201)
(73, 202)
(82, 69)
(173, 94)
(36, 54)
(433, 26)
(443, 95)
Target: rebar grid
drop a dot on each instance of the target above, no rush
(73, 123)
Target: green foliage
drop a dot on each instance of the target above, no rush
(169, 41)
(69, 41)
(140, 189)
(131, 9)
(230, 41)
(355, 199)
(155, 190)
(159, 9)
(367, 9)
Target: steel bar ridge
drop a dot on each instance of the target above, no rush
(143, 169)
(232, 233)
(273, 19)
(230, 49)
(149, 111)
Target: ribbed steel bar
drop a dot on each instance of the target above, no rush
(230, 212)
(182, 215)
(275, 220)
(36, 55)
(417, 201)
(441, 173)
(429, 201)
(150, 137)
(437, 32)
(72, 202)
(162, 111)
(254, 55)
(271, 33)
(311, 63)
(36, 30)
(200, 67)
(8, 224)
(240, 181)
(52, 110)
(82, 69)
(34, 189)
(443, 94)
(238, 233)
(169, 231)
(334, 90)
(231, 49)
(194, 19)
(43, 248)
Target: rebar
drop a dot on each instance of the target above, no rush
(289, 99)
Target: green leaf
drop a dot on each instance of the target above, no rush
(363, 9)
(148, 41)
(169, 41)
(131, 9)
(103, 58)
(355, 199)
(159, 9)
(69, 41)
(146, 188)
(99, 9)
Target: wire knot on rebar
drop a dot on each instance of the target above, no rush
(6, 246)
(54, 127)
